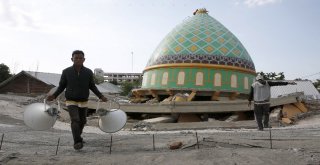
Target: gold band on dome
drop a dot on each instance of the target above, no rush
(210, 66)
(202, 10)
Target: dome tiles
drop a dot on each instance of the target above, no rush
(200, 53)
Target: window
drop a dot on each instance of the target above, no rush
(233, 81)
(181, 76)
(246, 83)
(153, 78)
(199, 78)
(164, 78)
(217, 79)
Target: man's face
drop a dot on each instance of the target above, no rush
(78, 59)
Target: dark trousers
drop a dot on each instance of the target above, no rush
(262, 113)
(78, 118)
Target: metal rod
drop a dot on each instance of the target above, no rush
(270, 138)
(110, 145)
(1, 141)
(197, 140)
(154, 148)
(57, 146)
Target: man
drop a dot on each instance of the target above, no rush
(260, 94)
(77, 80)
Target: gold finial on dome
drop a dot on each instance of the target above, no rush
(202, 11)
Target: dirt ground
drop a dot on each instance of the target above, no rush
(294, 144)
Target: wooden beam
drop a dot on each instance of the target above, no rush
(170, 92)
(215, 96)
(136, 94)
(233, 95)
(154, 94)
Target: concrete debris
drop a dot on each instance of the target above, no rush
(6, 157)
(168, 99)
(142, 126)
(233, 117)
(275, 115)
(154, 100)
(180, 97)
(163, 119)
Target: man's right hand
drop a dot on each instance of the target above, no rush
(50, 98)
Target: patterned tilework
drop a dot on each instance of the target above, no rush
(201, 39)
(205, 59)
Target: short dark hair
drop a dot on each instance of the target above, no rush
(77, 52)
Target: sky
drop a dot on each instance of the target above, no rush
(121, 35)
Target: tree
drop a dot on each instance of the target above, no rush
(317, 84)
(127, 86)
(114, 82)
(272, 75)
(4, 72)
(98, 79)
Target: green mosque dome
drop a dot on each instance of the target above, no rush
(200, 54)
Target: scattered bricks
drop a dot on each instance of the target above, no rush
(175, 145)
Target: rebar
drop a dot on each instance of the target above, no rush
(110, 145)
(57, 146)
(153, 142)
(270, 138)
(1, 141)
(197, 140)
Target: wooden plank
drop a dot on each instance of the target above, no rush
(286, 120)
(289, 111)
(301, 107)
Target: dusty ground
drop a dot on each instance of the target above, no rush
(296, 144)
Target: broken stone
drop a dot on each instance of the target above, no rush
(175, 145)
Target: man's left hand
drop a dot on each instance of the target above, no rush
(104, 99)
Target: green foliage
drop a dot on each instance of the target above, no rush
(114, 82)
(272, 75)
(98, 79)
(128, 86)
(4, 72)
(317, 84)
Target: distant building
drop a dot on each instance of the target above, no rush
(305, 86)
(35, 83)
(118, 77)
(30, 83)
